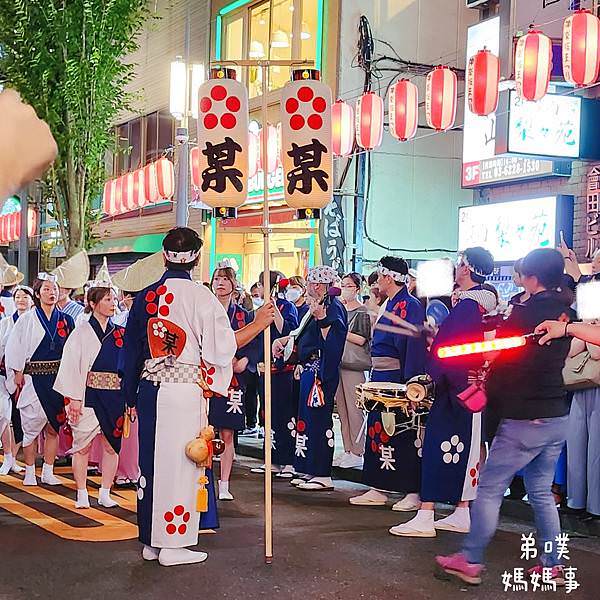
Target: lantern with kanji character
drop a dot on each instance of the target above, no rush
(440, 98)
(342, 128)
(581, 47)
(533, 65)
(483, 80)
(403, 110)
(223, 142)
(369, 121)
(306, 148)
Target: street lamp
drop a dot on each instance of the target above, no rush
(183, 103)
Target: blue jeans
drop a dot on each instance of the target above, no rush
(533, 446)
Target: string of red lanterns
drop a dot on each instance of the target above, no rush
(10, 225)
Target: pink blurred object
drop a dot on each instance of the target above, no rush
(129, 456)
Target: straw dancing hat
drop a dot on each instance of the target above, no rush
(102, 279)
(10, 275)
(140, 274)
(73, 272)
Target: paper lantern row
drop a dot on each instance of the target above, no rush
(10, 226)
(148, 185)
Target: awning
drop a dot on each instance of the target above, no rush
(146, 244)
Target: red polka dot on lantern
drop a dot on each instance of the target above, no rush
(169, 298)
(291, 105)
(319, 104)
(301, 426)
(182, 529)
(297, 122)
(119, 343)
(150, 296)
(402, 304)
(210, 121)
(377, 427)
(228, 121)
(151, 308)
(186, 517)
(205, 104)
(374, 447)
(171, 529)
(305, 94)
(218, 93)
(161, 290)
(233, 104)
(315, 122)
(169, 516)
(179, 510)
(164, 311)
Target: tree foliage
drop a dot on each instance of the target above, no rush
(66, 58)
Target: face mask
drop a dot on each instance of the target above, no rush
(348, 294)
(257, 302)
(293, 294)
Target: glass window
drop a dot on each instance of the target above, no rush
(151, 137)
(123, 149)
(234, 42)
(260, 18)
(165, 131)
(308, 33)
(281, 41)
(135, 143)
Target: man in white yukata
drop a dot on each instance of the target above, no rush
(178, 336)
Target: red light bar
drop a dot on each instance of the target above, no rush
(481, 347)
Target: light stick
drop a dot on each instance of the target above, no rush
(482, 347)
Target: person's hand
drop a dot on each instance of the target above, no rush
(265, 315)
(240, 364)
(74, 411)
(317, 310)
(279, 346)
(19, 380)
(27, 147)
(550, 330)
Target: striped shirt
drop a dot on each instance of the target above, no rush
(73, 309)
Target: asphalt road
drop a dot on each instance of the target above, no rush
(324, 548)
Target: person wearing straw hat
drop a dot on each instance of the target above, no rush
(9, 277)
(320, 341)
(179, 345)
(33, 354)
(71, 274)
(11, 431)
(88, 381)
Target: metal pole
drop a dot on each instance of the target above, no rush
(267, 334)
(182, 138)
(23, 263)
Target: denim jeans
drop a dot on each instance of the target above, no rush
(533, 446)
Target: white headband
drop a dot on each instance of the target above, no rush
(181, 257)
(22, 287)
(321, 274)
(47, 277)
(463, 258)
(397, 277)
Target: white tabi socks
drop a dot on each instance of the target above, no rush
(48, 475)
(83, 500)
(419, 526)
(105, 500)
(169, 557)
(150, 553)
(30, 478)
(459, 521)
(7, 465)
(224, 493)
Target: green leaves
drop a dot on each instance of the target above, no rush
(66, 58)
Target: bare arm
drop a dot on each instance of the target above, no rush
(354, 338)
(552, 330)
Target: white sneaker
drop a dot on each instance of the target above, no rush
(351, 461)
(169, 557)
(7, 465)
(370, 498)
(409, 503)
(150, 553)
(459, 521)
(224, 493)
(48, 476)
(419, 526)
(339, 459)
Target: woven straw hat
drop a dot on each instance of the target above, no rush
(10, 275)
(140, 274)
(74, 271)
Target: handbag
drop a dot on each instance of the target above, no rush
(355, 357)
(581, 372)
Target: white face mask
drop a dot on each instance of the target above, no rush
(257, 302)
(348, 294)
(293, 294)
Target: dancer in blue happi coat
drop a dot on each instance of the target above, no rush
(393, 463)
(320, 345)
(451, 450)
(89, 382)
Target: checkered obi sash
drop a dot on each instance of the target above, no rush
(167, 369)
(98, 380)
(42, 367)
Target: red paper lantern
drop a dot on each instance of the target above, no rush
(109, 197)
(440, 98)
(165, 178)
(31, 222)
(369, 121)
(483, 79)
(342, 128)
(195, 166)
(533, 65)
(15, 225)
(150, 184)
(139, 194)
(127, 192)
(581, 47)
(403, 110)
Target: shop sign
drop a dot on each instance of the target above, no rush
(593, 212)
(331, 234)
